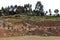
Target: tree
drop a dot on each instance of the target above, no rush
(11, 10)
(15, 6)
(2, 8)
(15, 9)
(28, 9)
(50, 12)
(0, 13)
(7, 10)
(20, 9)
(56, 11)
(46, 13)
(39, 9)
(3, 11)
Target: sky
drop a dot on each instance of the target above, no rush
(48, 4)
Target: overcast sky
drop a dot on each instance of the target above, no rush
(48, 4)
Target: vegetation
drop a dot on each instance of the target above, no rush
(31, 38)
(39, 9)
(50, 12)
(36, 18)
(27, 10)
(17, 13)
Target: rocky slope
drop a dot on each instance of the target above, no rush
(29, 27)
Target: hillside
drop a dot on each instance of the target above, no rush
(20, 25)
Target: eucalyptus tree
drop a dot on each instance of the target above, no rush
(50, 12)
(27, 8)
(3, 11)
(39, 9)
(57, 12)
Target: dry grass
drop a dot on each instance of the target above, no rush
(31, 38)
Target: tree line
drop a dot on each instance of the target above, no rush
(27, 10)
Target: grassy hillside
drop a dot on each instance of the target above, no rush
(18, 18)
(35, 18)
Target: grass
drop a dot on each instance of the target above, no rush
(18, 17)
(31, 38)
(33, 17)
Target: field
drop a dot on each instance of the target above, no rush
(31, 38)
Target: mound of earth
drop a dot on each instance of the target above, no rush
(29, 27)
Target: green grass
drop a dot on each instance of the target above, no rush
(31, 38)
(18, 17)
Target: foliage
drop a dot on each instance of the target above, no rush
(50, 12)
(39, 9)
(27, 10)
(56, 10)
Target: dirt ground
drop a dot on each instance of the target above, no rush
(29, 27)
